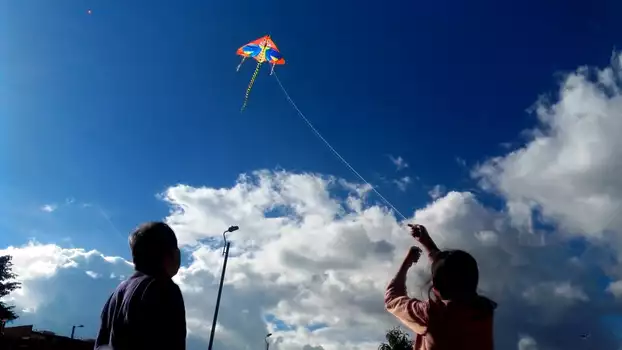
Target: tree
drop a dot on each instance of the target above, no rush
(7, 285)
(397, 340)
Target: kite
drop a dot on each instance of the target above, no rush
(262, 50)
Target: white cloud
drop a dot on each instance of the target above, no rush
(316, 259)
(615, 288)
(437, 191)
(36, 260)
(93, 274)
(487, 237)
(527, 343)
(571, 168)
(403, 183)
(399, 162)
(57, 289)
(563, 292)
(49, 208)
(306, 256)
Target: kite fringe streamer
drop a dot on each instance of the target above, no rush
(240, 65)
(341, 158)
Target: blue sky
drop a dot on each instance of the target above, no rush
(97, 102)
(112, 108)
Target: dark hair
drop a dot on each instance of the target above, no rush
(151, 243)
(455, 275)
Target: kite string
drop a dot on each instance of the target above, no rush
(345, 162)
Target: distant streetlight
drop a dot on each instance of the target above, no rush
(73, 329)
(222, 279)
(267, 342)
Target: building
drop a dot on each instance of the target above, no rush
(26, 338)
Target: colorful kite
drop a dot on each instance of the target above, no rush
(262, 50)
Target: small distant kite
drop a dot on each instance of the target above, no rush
(262, 50)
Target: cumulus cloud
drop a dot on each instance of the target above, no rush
(38, 265)
(399, 162)
(570, 169)
(310, 263)
(58, 281)
(317, 259)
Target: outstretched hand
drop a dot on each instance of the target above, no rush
(413, 255)
(421, 235)
(419, 232)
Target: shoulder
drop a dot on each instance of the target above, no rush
(161, 290)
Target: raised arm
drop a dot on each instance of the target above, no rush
(412, 312)
(421, 235)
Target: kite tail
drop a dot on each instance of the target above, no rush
(250, 86)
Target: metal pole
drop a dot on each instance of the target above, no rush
(267, 342)
(73, 329)
(222, 278)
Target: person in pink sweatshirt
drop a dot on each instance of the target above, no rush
(454, 317)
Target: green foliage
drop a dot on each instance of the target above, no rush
(7, 285)
(397, 340)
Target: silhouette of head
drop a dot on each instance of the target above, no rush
(455, 275)
(154, 249)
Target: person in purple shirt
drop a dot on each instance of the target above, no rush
(147, 311)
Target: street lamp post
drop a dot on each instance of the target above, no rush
(222, 279)
(73, 329)
(267, 342)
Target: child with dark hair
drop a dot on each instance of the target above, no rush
(147, 311)
(455, 316)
